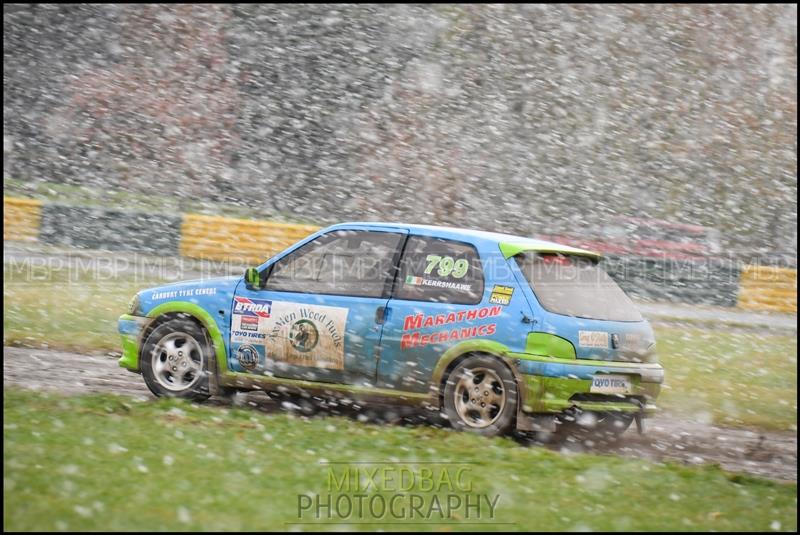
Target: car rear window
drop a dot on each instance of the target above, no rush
(576, 286)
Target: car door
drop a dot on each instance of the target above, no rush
(439, 300)
(317, 317)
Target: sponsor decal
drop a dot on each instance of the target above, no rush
(417, 339)
(249, 323)
(241, 334)
(423, 321)
(247, 320)
(448, 284)
(416, 322)
(252, 307)
(292, 333)
(501, 295)
(247, 356)
(184, 292)
(593, 339)
(304, 335)
(419, 281)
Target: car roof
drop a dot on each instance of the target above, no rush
(509, 244)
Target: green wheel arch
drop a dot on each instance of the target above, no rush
(204, 318)
(563, 350)
(487, 347)
(464, 348)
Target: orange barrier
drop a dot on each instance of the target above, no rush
(246, 240)
(768, 288)
(21, 219)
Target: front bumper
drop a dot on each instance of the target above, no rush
(130, 329)
(553, 385)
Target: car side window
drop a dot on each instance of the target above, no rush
(344, 262)
(439, 270)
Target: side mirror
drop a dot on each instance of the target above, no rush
(252, 279)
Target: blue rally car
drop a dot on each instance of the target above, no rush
(497, 332)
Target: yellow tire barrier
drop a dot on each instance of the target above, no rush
(21, 219)
(768, 288)
(242, 240)
(253, 241)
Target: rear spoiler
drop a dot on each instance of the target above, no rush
(510, 249)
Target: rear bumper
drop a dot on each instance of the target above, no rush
(130, 329)
(553, 385)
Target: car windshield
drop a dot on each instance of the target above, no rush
(576, 286)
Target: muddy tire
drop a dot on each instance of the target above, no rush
(480, 396)
(175, 360)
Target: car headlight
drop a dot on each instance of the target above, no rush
(133, 306)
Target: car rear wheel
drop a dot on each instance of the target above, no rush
(175, 359)
(480, 396)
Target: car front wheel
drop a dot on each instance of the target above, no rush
(175, 360)
(480, 396)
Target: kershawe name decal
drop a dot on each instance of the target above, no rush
(415, 322)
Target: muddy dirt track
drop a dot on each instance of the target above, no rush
(766, 454)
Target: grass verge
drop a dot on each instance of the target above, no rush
(730, 376)
(79, 317)
(106, 462)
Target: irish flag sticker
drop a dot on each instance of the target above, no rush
(413, 280)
